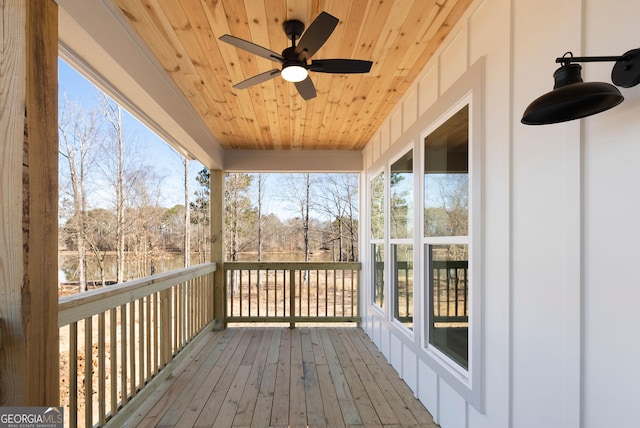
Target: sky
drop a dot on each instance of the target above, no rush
(167, 161)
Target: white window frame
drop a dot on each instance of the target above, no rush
(378, 241)
(403, 241)
(468, 382)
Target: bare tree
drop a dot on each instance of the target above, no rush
(144, 237)
(337, 197)
(187, 216)
(238, 212)
(261, 181)
(99, 237)
(122, 168)
(299, 193)
(78, 133)
(113, 115)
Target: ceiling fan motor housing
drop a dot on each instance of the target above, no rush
(292, 28)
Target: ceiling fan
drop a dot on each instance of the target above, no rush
(294, 59)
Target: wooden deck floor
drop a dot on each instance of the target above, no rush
(277, 377)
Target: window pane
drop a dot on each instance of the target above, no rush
(403, 284)
(377, 207)
(378, 273)
(449, 310)
(402, 197)
(446, 179)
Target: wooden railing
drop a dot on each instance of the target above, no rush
(450, 287)
(114, 340)
(292, 292)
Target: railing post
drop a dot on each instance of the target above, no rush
(216, 184)
(165, 327)
(292, 297)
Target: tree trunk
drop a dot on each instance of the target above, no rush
(187, 216)
(305, 225)
(120, 201)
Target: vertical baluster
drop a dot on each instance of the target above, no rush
(328, 284)
(132, 347)
(202, 301)
(73, 374)
(174, 320)
(266, 290)
(148, 337)
(228, 288)
(123, 354)
(309, 297)
(342, 289)
(156, 331)
(249, 293)
(454, 280)
(199, 302)
(335, 292)
(292, 296)
(113, 358)
(195, 307)
(236, 311)
(466, 290)
(185, 294)
(101, 369)
(299, 291)
(188, 309)
(194, 293)
(178, 318)
(406, 291)
(88, 372)
(195, 303)
(258, 286)
(277, 285)
(210, 284)
(436, 288)
(141, 342)
(355, 300)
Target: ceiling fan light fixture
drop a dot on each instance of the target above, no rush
(294, 73)
(293, 59)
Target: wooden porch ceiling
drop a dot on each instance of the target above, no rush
(399, 36)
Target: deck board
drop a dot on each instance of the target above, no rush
(271, 377)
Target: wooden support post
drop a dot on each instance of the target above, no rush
(216, 183)
(29, 358)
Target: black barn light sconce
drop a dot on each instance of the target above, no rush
(571, 98)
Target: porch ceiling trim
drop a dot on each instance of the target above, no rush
(293, 160)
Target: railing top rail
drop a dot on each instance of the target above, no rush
(450, 264)
(79, 306)
(291, 265)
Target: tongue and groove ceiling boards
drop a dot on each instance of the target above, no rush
(398, 36)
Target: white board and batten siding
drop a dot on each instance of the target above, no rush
(560, 210)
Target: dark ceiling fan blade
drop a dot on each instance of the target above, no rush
(306, 88)
(315, 36)
(257, 79)
(340, 66)
(252, 47)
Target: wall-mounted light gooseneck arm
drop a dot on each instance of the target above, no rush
(571, 98)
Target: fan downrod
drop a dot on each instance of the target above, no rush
(293, 28)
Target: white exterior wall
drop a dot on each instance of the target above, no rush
(560, 341)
